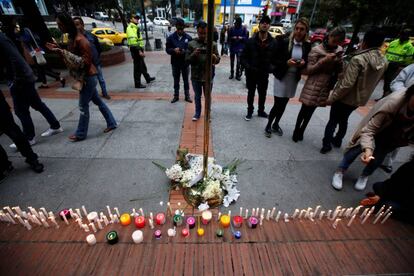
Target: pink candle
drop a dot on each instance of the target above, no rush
(160, 219)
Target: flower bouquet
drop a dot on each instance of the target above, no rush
(218, 187)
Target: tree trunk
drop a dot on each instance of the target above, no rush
(354, 39)
(121, 15)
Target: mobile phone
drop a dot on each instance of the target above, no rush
(298, 61)
(203, 51)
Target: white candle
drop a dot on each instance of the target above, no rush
(34, 212)
(308, 212)
(218, 216)
(137, 236)
(286, 217)
(142, 212)
(133, 212)
(253, 212)
(341, 212)
(24, 214)
(84, 211)
(98, 221)
(229, 213)
(53, 220)
(311, 216)
(92, 225)
(261, 220)
(151, 216)
(51, 215)
(278, 215)
(117, 212)
(321, 214)
(10, 218)
(378, 217)
(169, 207)
(43, 210)
(295, 214)
(351, 220)
(301, 213)
(19, 219)
(79, 213)
(388, 209)
(335, 224)
(246, 213)
(42, 216)
(27, 225)
(365, 212)
(171, 232)
(45, 224)
(92, 216)
(151, 223)
(71, 212)
(329, 214)
(316, 211)
(36, 220)
(75, 216)
(85, 227)
(366, 217)
(91, 239)
(262, 213)
(105, 219)
(386, 217)
(268, 215)
(380, 210)
(7, 208)
(241, 211)
(109, 210)
(356, 210)
(116, 218)
(18, 210)
(65, 220)
(273, 212)
(79, 221)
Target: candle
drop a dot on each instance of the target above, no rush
(169, 207)
(133, 212)
(160, 219)
(36, 220)
(105, 219)
(177, 220)
(140, 222)
(364, 213)
(18, 211)
(43, 210)
(7, 208)
(92, 216)
(191, 222)
(52, 219)
(302, 212)
(34, 212)
(246, 214)
(142, 212)
(278, 216)
(316, 210)
(295, 213)
(351, 220)
(200, 232)
(42, 216)
(27, 225)
(112, 237)
(117, 212)
(261, 220)
(116, 219)
(79, 221)
(125, 219)
(151, 223)
(99, 224)
(71, 212)
(137, 236)
(335, 224)
(237, 221)
(151, 216)
(10, 218)
(91, 239)
(157, 234)
(109, 210)
(378, 217)
(366, 217)
(273, 212)
(85, 227)
(229, 213)
(92, 225)
(386, 217)
(380, 210)
(171, 232)
(218, 216)
(308, 212)
(237, 235)
(219, 233)
(24, 214)
(286, 217)
(45, 224)
(252, 222)
(329, 214)
(225, 221)
(253, 211)
(206, 217)
(19, 219)
(268, 215)
(185, 232)
(79, 213)
(241, 211)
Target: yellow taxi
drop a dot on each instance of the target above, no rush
(109, 33)
(102, 41)
(273, 30)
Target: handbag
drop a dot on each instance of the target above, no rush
(38, 55)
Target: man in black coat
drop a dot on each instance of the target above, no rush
(256, 59)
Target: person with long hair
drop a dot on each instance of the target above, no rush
(78, 58)
(324, 66)
(290, 58)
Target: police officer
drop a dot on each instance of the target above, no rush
(136, 46)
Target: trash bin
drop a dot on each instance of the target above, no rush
(158, 44)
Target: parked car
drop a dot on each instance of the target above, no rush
(113, 35)
(286, 23)
(100, 16)
(318, 35)
(273, 30)
(161, 21)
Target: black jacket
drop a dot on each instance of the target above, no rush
(256, 56)
(282, 55)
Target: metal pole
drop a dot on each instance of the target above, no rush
(313, 12)
(147, 43)
(207, 84)
(224, 13)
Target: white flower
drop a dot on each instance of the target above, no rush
(187, 176)
(233, 195)
(212, 189)
(203, 206)
(174, 173)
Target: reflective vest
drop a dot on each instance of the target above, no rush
(134, 36)
(401, 53)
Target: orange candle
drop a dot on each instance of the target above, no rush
(225, 221)
(125, 219)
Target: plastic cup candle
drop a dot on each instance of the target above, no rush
(160, 219)
(219, 233)
(252, 222)
(178, 220)
(206, 217)
(91, 239)
(137, 236)
(125, 219)
(191, 222)
(237, 221)
(171, 232)
(92, 216)
(200, 232)
(225, 221)
(185, 232)
(140, 222)
(112, 237)
(237, 235)
(157, 234)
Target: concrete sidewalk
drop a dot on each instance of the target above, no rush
(116, 169)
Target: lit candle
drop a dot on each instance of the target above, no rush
(92, 216)
(261, 220)
(142, 212)
(79, 213)
(151, 223)
(157, 234)
(160, 219)
(169, 207)
(366, 217)
(171, 232)
(278, 216)
(252, 222)
(151, 216)
(27, 225)
(241, 211)
(125, 219)
(378, 217)
(365, 212)
(206, 217)
(386, 217)
(218, 216)
(10, 218)
(91, 239)
(246, 214)
(335, 224)
(237, 221)
(140, 222)
(286, 217)
(185, 232)
(92, 225)
(137, 236)
(225, 221)
(99, 224)
(295, 213)
(45, 224)
(177, 220)
(351, 220)
(219, 233)
(117, 212)
(380, 210)
(191, 222)
(109, 210)
(268, 215)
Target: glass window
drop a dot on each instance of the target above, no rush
(100, 32)
(110, 32)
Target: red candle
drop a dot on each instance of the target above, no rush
(185, 232)
(237, 221)
(140, 222)
(160, 219)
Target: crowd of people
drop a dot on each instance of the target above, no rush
(332, 79)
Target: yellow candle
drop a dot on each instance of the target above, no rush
(125, 219)
(200, 232)
(225, 221)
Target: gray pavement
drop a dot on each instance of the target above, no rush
(115, 168)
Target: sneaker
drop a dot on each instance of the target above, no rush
(31, 142)
(262, 114)
(276, 129)
(325, 149)
(248, 117)
(195, 118)
(361, 183)
(337, 181)
(51, 132)
(35, 165)
(268, 132)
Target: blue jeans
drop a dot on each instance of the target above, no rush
(177, 71)
(101, 80)
(351, 154)
(87, 94)
(24, 96)
(198, 87)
